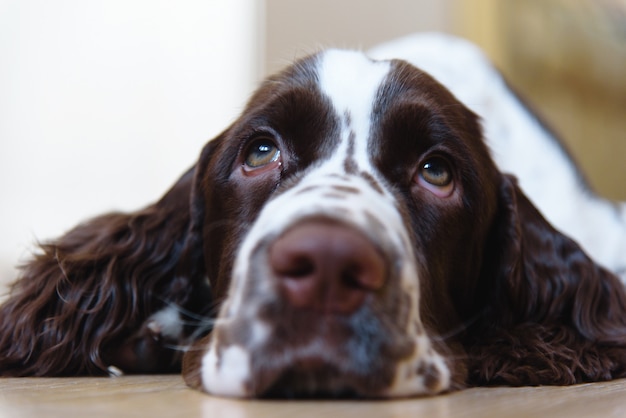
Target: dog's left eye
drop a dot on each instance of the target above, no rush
(436, 171)
(260, 153)
(435, 174)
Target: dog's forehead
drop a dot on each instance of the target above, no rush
(348, 80)
(357, 84)
(352, 83)
(342, 106)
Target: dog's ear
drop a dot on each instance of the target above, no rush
(192, 263)
(193, 259)
(550, 315)
(114, 291)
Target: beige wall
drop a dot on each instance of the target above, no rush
(297, 27)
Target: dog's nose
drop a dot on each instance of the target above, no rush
(326, 266)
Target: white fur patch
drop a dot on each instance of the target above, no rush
(166, 322)
(351, 81)
(226, 373)
(411, 378)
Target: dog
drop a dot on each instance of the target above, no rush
(348, 235)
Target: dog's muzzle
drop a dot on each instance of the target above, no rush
(324, 301)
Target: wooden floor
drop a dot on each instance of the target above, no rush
(167, 396)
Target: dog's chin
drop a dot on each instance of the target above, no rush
(313, 379)
(335, 357)
(319, 370)
(321, 377)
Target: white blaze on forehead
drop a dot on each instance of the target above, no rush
(351, 81)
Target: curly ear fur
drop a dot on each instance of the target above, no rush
(551, 315)
(85, 301)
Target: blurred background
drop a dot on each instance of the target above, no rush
(103, 104)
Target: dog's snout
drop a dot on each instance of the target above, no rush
(326, 266)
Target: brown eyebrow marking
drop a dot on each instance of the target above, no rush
(339, 176)
(335, 195)
(347, 189)
(307, 189)
(375, 184)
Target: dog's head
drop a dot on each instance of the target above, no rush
(354, 228)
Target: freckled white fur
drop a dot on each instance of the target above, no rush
(520, 145)
(407, 382)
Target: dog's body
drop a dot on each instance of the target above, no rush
(351, 234)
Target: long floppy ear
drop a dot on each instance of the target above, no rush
(114, 291)
(550, 314)
(193, 255)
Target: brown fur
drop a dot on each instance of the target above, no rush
(81, 302)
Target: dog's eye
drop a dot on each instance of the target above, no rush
(260, 153)
(435, 175)
(436, 171)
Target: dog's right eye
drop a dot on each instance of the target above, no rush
(261, 153)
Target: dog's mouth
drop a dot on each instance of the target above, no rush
(330, 356)
(314, 379)
(306, 354)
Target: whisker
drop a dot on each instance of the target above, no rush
(457, 330)
(193, 315)
(185, 348)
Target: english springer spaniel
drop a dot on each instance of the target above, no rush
(348, 235)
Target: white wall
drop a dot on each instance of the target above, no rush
(103, 104)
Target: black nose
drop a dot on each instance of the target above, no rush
(326, 266)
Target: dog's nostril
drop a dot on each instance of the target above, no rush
(351, 277)
(327, 266)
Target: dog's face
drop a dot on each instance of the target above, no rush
(343, 214)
